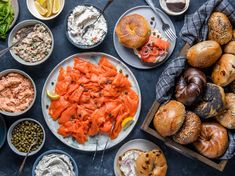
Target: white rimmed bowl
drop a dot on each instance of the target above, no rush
(79, 45)
(20, 26)
(32, 9)
(75, 168)
(169, 12)
(5, 72)
(9, 136)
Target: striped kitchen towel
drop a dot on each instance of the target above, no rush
(195, 29)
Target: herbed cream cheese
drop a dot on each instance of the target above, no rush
(55, 165)
(81, 17)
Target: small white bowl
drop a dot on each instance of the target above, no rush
(32, 9)
(21, 25)
(15, 114)
(9, 136)
(169, 12)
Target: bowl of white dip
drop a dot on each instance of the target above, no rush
(55, 162)
(77, 21)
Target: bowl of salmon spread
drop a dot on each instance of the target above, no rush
(36, 47)
(17, 92)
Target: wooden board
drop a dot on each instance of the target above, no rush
(175, 146)
(147, 127)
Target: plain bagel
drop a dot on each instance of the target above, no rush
(133, 31)
(151, 163)
(204, 54)
(169, 118)
(213, 140)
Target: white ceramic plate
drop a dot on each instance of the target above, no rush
(127, 54)
(15, 6)
(32, 9)
(139, 144)
(90, 145)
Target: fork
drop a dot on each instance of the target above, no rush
(106, 144)
(101, 13)
(165, 27)
(22, 37)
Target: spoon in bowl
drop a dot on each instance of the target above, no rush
(27, 154)
(22, 37)
(101, 13)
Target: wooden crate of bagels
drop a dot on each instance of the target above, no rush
(202, 110)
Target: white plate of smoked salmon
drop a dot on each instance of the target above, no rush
(91, 97)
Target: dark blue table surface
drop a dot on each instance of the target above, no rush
(178, 165)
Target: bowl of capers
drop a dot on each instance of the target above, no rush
(26, 135)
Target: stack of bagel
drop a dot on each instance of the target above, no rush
(203, 108)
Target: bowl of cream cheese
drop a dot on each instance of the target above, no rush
(55, 162)
(86, 27)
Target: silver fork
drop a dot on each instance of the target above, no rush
(101, 13)
(165, 27)
(102, 156)
(22, 37)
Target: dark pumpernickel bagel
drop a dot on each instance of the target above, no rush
(190, 86)
(212, 101)
(190, 130)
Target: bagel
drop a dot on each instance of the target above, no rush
(212, 141)
(190, 86)
(169, 118)
(151, 163)
(133, 31)
(204, 54)
(126, 162)
(211, 103)
(227, 117)
(224, 70)
(190, 130)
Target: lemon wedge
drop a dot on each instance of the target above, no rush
(52, 96)
(49, 8)
(40, 8)
(56, 6)
(127, 122)
(42, 3)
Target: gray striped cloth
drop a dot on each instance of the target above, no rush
(195, 29)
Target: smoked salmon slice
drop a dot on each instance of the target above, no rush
(93, 98)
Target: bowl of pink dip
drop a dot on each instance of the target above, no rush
(17, 92)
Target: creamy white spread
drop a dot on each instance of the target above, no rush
(55, 165)
(81, 17)
(127, 162)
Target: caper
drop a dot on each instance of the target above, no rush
(23, 136)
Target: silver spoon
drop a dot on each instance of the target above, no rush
(27, 154)
(22, 37)
(92, 24)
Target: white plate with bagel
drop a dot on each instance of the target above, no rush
(139, 40)
(140, 157)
